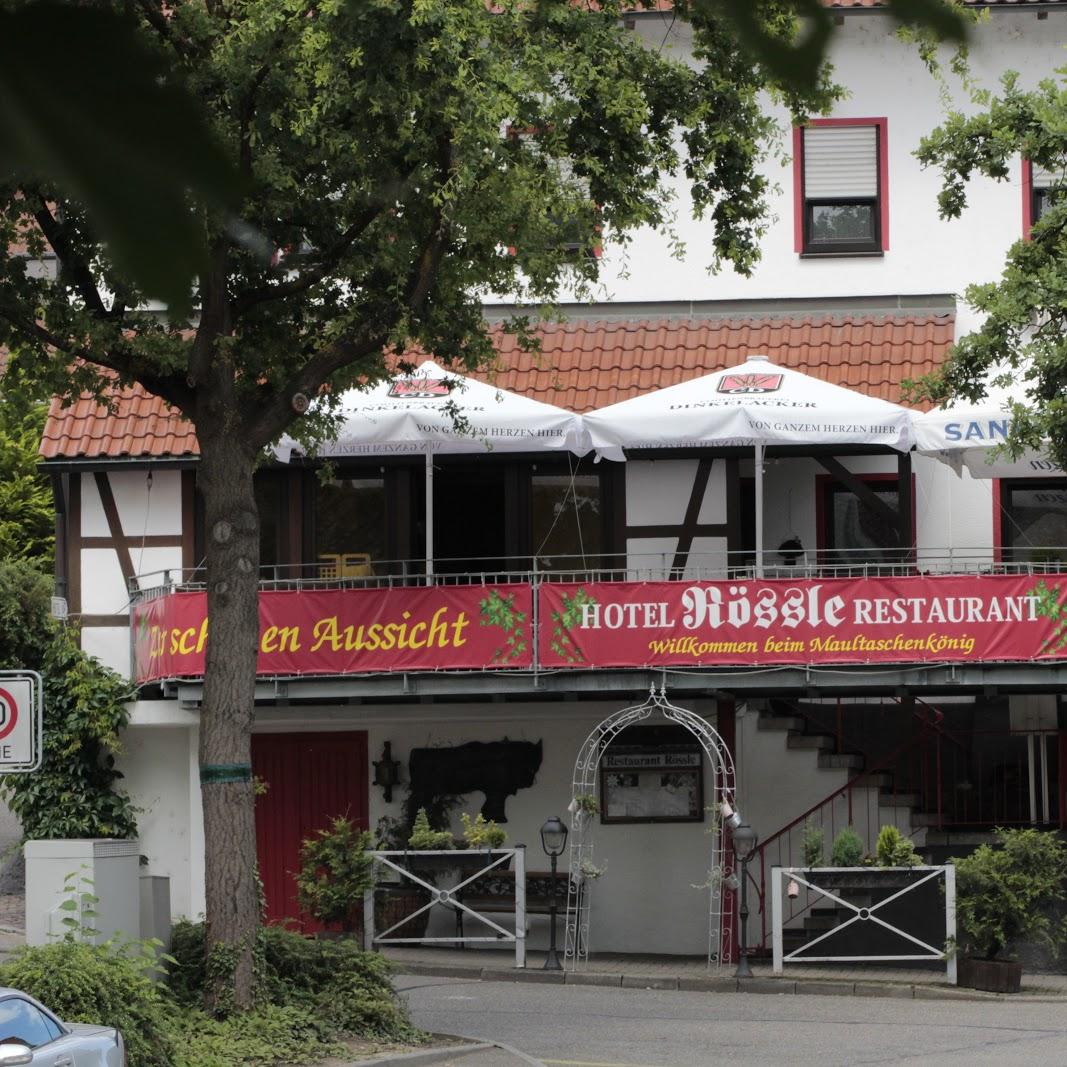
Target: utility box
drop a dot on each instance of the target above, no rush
(155, 908)
(62, 870)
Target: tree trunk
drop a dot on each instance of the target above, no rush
(232, 534)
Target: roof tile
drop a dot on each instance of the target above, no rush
(584, 365)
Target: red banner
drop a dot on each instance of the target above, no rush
(775, 621)
(348, 631)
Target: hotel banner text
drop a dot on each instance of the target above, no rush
(348, 631)
(777, 621)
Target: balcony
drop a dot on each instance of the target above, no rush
(947, 617)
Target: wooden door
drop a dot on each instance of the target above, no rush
(311, 778)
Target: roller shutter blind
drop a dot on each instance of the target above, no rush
(841, 162)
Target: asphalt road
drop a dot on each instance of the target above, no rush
(588, 1026)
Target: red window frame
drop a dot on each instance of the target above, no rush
(826, 481)
(882, 126)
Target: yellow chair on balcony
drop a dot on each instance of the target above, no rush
(346, 565)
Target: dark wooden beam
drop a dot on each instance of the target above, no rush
(843, 476)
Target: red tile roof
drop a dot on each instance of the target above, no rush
(585, 365)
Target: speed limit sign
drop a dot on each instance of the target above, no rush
(20, 721)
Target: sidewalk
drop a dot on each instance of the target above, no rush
(688, 973)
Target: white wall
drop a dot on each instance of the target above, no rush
(885, 78)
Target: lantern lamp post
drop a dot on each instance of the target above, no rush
(744, 841)
(553, 841)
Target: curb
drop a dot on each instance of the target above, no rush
(443, 1053)
(726, 984)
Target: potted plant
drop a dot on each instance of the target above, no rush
(335, 872)
(813, 844)
(480, 832)
(398, 899)
(1005, 895)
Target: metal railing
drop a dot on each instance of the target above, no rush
(616, 567)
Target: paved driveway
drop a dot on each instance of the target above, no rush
(582, 1026)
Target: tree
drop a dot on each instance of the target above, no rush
(399, 160)
(1023, 337)
(27, 514)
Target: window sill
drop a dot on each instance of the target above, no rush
(842, 255)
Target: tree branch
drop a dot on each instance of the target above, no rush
(72, 262)
(155, 17)
(429, 261)
(327, 262)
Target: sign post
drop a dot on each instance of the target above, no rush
(21, 702)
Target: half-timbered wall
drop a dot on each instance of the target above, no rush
(121, 524)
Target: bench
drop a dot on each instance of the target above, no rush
(495, 892)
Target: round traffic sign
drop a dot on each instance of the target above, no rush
(9, 713)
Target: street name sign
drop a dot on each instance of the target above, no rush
(21, 702)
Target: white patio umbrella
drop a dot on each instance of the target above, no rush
(966, 435)
(436, 411)
(754, 404)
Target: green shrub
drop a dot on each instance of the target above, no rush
(847, 850)
(480, 832)
(895, 850)
(104, 985)
(424, 837)
(813, 844)
(1005, 893)
(266, 1036)
(185, 976)
(335, 872)
(347, 989)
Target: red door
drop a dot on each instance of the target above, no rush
(311, 778)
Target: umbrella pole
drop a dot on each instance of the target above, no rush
(759, 509)
(429, 516)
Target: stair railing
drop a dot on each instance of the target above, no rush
(835, 811)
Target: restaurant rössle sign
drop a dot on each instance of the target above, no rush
(746, 622)
(779, 621)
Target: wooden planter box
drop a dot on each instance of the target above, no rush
(993, 976)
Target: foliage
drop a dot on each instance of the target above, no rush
(813, 844)
(591, 872)
(346, 988)
(424, 838)
(93, 126)
(893, 849)
(587, 804)
(480, 832)
(270, 1034)
(1005, 893)
(75, 792)
(497, 610)
(335, 872)
(100, 984)
(1023, 338)
(27, 515)
(26, 628)
(847, 849)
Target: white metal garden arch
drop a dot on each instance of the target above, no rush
(584, 820)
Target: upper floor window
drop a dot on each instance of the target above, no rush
(1033, 520)
(1041, 188)
(840, 176)
(853, 530)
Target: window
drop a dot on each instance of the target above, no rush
(840, 176)
(1041, 188)
(854, 530)
(567, 518)
(1033, 520)
(350, 523)
(21, 1022)
(573, 223)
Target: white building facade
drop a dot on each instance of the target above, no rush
(859, 285)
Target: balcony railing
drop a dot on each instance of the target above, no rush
(364, 573)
